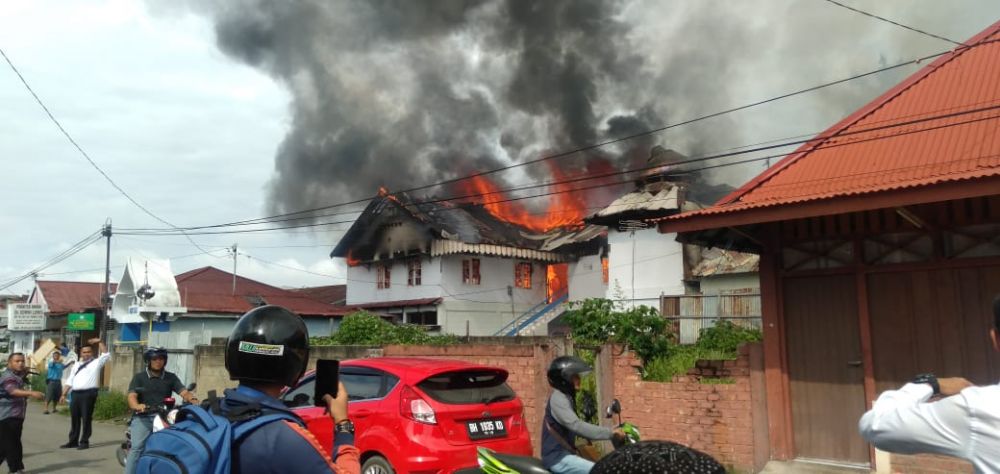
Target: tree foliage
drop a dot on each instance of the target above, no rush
(363, 328)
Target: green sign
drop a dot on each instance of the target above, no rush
(80, 322)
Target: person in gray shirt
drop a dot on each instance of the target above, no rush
(561, 426)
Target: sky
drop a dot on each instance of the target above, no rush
(204, 116)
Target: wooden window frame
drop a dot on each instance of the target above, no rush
(523, 272)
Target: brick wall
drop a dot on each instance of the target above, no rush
(526, 361)
(714, 418)
(928, 464)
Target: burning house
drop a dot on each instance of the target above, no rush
(480, 268)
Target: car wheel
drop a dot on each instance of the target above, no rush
(377, 465)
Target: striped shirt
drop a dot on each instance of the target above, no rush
(85, 375)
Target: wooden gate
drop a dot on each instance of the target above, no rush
(934, 320)
(825, 369)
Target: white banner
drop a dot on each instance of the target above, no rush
(26, 317)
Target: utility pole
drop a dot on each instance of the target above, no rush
(107, 282)
(234, 269)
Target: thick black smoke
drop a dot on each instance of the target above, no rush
(408, 92)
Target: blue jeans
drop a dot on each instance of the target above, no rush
(139, 429)
(572, 465)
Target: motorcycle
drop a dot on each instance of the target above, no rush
(492, 462)
(164, 415)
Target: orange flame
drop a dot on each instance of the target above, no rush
(565, 209)
(351, 261)
(556, 278)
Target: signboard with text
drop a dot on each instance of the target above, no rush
(26, 317)
(80, 321)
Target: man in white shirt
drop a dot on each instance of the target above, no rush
(83, 382)
(965, 423)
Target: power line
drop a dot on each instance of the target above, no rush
(819, 139)
(614, 141)
(932, 35)
(65, 254)
(84, 153)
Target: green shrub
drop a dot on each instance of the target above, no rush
(110, 405)
(37, 382)
(367, 329)
(726, 337)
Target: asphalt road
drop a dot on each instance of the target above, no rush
(44, 433)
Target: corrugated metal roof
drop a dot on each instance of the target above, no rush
(716, 261)
(210, 290)
(665, 199)
(64, 297)
(851, 158)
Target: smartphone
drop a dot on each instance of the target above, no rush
(327, 380)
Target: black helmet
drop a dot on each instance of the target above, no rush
(268, 344)
(152, 352)
(561, 372)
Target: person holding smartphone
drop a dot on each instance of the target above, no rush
(948, 416)
(267, 351)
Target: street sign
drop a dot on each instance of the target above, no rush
(80, 321)
(26, 317)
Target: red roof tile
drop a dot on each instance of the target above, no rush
(332, 294)
(64, 297)
(850, 158)
(210, 290)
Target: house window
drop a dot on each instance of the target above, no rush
(605, 274)
(423, 318)
(470, 271)
(413, 272)
(522, 275)
(382, 276)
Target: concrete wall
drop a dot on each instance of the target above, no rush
(644, 265)
(586, 279)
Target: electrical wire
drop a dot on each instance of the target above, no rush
(304, 213)
(824, 142)
(932, 35)
(84, 153)
(65, 254)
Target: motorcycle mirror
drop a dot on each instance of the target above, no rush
(615, 408)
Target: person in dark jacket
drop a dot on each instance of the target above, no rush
(13, 405)
(267, 351)
(561, 426)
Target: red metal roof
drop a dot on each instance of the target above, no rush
(332, 294)
(210, 290)
(64, 297)
(852, 159)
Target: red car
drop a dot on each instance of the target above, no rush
(414, 415)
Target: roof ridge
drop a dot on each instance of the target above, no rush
(871, 107)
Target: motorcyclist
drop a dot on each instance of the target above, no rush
(267, 351)
(149, 387)
(561, 426)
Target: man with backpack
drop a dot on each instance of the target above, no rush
(250, 430)
(147, 389)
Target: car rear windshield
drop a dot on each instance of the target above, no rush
(468, 387)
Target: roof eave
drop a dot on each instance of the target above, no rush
(948, 191)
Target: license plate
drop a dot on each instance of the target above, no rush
(489, 428)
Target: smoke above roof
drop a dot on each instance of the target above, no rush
(409, 92)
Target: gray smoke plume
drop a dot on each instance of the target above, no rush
(408, 92)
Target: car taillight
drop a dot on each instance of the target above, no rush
(414, 407)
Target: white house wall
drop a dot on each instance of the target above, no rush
(644, 265)
(586, 279)
(361, 283)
